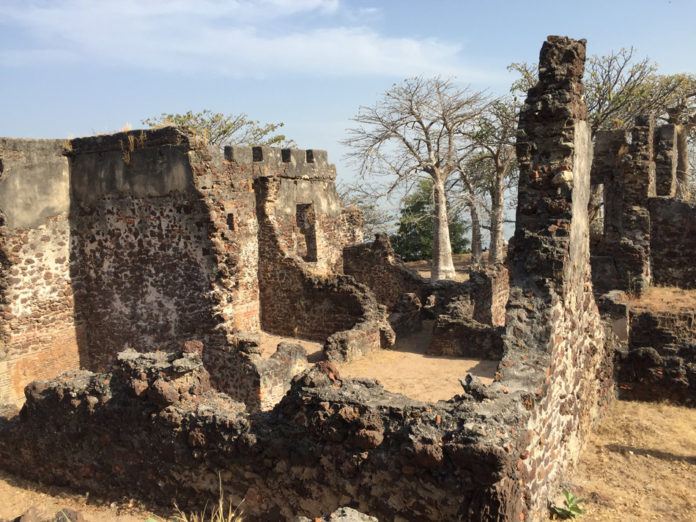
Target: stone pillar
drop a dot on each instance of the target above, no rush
(609, 146)
(666, 160)
(637, 178)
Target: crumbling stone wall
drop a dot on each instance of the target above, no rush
(490, 290)
(628, 227)
(673, 242)
(665, 148)
(465, 313)
(329, 442)
(37, 330)
(296, 301)
(472, 325)
(157, 236)
(659, 361)
(376, 265)
(555, 356)
(310, 220)
(646, 237)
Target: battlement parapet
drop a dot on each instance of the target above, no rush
(291, 163)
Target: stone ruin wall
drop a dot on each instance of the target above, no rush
(467, 314)
(37, 328)
(673, 242)
(659, 361)
(492, 453)
(648, 241)
(147, 239)
(555, 354)
(156, 257)
(302, 231)
(647, 230)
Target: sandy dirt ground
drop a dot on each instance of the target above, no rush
(408, 370)
(18, 495)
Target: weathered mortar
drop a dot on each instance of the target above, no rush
(37, 331)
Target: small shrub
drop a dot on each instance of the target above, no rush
(572, 507)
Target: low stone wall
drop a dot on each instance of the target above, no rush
(490, 290)
(375, 265)
(466, 337)
(411, 298)
(673, 242)
(37, 328)
(659, 362)
(328, 443)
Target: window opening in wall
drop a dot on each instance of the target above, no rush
(230, 221)
(306, 222)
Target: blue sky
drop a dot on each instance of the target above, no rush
(79, 67)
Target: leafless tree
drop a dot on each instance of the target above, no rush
(493, 139)
(415, 130)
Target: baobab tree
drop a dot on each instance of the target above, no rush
(416, 130)
(493, 141)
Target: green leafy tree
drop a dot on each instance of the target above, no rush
(219, 129)
(414, 239)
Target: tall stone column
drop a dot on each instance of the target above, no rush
(637, 177)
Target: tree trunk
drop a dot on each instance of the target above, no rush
(683, 189)
(442, 266)
(496, 254)
(476, 249)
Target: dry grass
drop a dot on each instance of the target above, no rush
(221, 512)
(639, 464)
(665, 299)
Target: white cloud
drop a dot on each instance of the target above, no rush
(231, 38)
